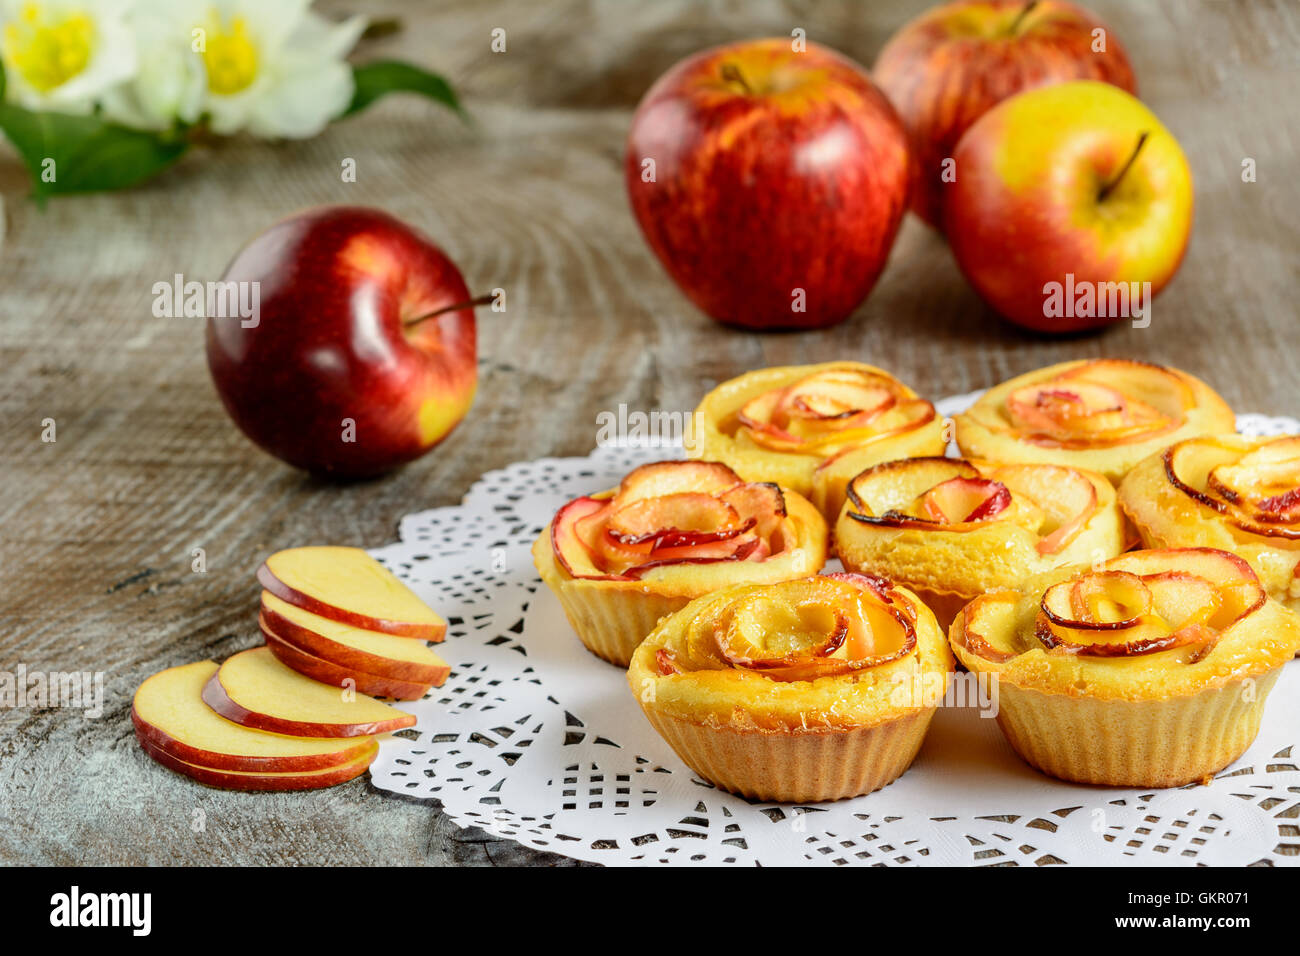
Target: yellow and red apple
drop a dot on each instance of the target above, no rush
(769, 178)
(949, 66)
(358, 359)
(1071, 186)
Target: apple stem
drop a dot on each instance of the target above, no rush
(1020, 17)
(731, 73)
(455, 307)
(1107, 189)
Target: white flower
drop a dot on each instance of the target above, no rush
(275, 69)
(171, 83)
(64, 54)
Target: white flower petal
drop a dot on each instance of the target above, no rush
(307, 95)
(272, 22)
(327, 39)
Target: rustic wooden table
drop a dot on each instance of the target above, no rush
(98, 527)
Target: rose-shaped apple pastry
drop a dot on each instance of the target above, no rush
(1225, 491)
(811, 428)
(620, 560)
(951, 529)
(1149, 670)
(1105, 415)
(813, 689)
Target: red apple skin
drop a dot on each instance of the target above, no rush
(322, 647)
(159, 739)
(424, 632)
(946, 68)
(328, 672)
(336, 285)
(1027, 207)
(215, 696)
(224, 779)
(799, 184)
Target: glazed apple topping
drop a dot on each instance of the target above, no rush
(1106, 402)
(667, 513)
(832, 410)
(959, 500)
(821, 626)
(1148, 601)
(1257, 488)
(950, 494)
(1063, 499)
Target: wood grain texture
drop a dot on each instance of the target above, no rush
(98, 527)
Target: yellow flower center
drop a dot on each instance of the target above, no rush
(48, 52)
(230, 57)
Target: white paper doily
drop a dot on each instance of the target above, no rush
(534, 739)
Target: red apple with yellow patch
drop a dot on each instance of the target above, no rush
(1072, 207)
(769, 177)
(949, 66)
(362, 355)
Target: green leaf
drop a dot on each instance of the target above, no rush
(89, 154)
(392, 76)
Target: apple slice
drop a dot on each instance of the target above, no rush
(244, 780)
(573, 553)
(749, 548)
(829, 408)
(815, 627)
(348, 585)
(254, 689)
(761, 503)
(1265, 482)
(1070, 408)
(383, 655)
(170, 716)
(959, 500)
(1066, 496)
(1158, 388)
(1099, 601)
(1216, 566)
(689, 517)
(335, 675)
(662, 478)
(879, 494)
(991, 614)
(1147, 637)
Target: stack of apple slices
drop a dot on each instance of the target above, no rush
(295, 714)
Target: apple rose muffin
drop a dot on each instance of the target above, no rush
(1226, 491)
(1150, 672)
(815, 689)
(1105, 415)
(951, 529)
(811, 428)
(620, 560)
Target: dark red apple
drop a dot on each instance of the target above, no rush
(946, 68)
(335, 374)
(769, 181)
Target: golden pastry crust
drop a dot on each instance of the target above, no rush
(614, 593)
(908, 521)
(1151, 671)
(813, 689)
(1104, 415)
(747, 422)
(1226, 491)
